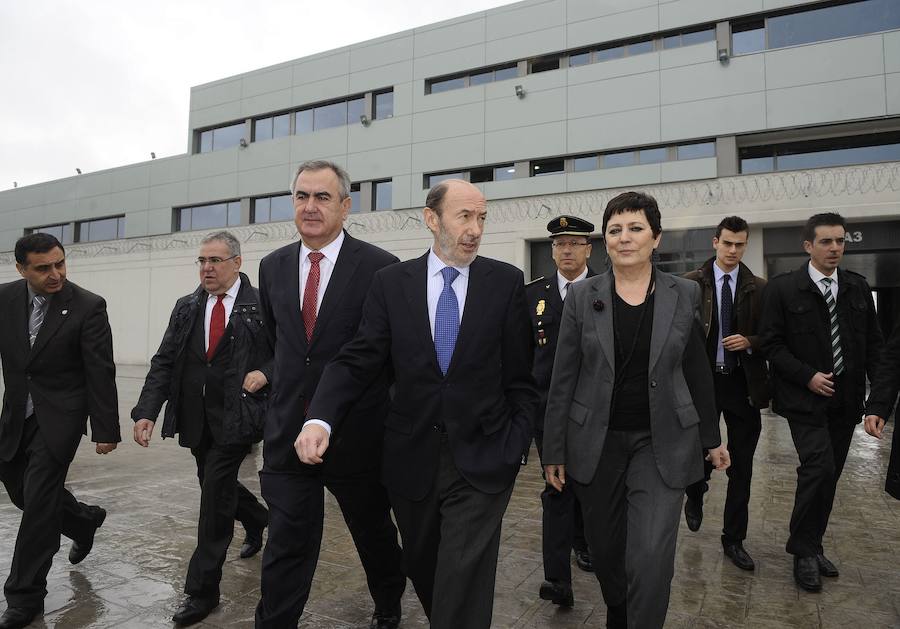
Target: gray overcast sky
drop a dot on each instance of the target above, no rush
(95, 84)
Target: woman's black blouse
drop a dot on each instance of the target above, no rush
(631, 400)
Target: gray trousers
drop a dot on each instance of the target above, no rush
(450, 543)
(631, 523)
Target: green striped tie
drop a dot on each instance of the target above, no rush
(835, 331)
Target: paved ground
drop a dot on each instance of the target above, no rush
(134, 575)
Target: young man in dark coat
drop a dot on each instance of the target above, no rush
(731, 303)
(213, 367)
(820, 334)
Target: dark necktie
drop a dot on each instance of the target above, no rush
(566, 290)
(446, 320)
(216, 327)
(35, 321)
(311, 293)
(731, 360)
(836, 352)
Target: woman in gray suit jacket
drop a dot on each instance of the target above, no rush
(631, 411)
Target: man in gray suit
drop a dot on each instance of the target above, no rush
(629, 412)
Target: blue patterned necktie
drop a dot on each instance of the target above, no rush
(731, 360)
(446, 320)
(836, 351)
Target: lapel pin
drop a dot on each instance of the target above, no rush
(65, 312)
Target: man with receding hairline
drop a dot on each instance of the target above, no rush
(453, 328)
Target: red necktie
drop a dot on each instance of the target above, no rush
(216, 326)
(311, 294)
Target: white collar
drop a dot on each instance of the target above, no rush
(561, 280)
(817, 276)
(719, 273)
(231, 292)
(330, 251)
(436, 265)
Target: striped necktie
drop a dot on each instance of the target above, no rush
(835, 331)
(35, 321)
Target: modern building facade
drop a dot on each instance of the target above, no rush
(771, 109)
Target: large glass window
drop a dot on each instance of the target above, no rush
(641, 47)
(64, 232)
(843, 20)
(355, 108)
(502, 173)
(208, 216)
(864, 149)
(614, 52)
(579, 58)
(384, 105)
(696, 151)
(653, 156)
(509, 72)
(615, 160)
(445, 85)
(547, 167)
(273, 209)
(383, 195)
(221, 138)
(271, 127)
(304, 121)
(748, 37)
(544, 64)
(328, 116)
(581, 164)
(355, 200)
(432, 180)
(101, 229)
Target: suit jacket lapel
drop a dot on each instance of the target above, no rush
(348, 260)
(57, 311)
(198, 326)
(478, 293)
(18, 317)
(665, 301)
(415, 288)
(290, 271)
(556, 302)
(603, 320)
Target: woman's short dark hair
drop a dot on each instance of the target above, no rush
(35, 243)
(829, 219)
(632, 202)
(734, 224)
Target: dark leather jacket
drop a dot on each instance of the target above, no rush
(250, 349)
(747, 310)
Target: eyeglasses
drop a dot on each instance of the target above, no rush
(559, 244)
(214, 261)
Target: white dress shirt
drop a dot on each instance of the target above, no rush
(563, 284)
(331, 251)
(227, 301)
(436, 285)
(720, 275)
(816, 276)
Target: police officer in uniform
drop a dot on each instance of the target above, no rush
(563, 529)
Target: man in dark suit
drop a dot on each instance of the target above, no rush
(820, 335)
(731, 302)
(880, 405)
(453, 329)
(212, 367)
(563, 525)
(58, 370)
(312, 295)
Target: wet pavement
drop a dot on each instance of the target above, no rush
(135, 573)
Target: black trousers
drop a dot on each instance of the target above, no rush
(34, 481)
(562, 527)
(296, 514)
(744, 426)
(451, 539)
(223, 499)
(822, 448)
(631, 520)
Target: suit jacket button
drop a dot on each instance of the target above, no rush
(653, 384)
(308, 361)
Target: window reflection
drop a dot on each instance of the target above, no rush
(384, 105)
(383, 195)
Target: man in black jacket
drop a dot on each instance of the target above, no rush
(212, 367)
(58, 370)
(311, 294)
(731, 307)
(820, 335)
(562, 523)
(880, 405)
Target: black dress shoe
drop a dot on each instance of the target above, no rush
(616, 617)
(385, 620)
(252, 544)
(738, 555)
(16, 617)
(194, 609)
(557, 593)
(826, 568)
(693, 513)
(583, 560)
(806, 574)
(80, 550)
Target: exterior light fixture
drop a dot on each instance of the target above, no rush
(723, 56)
(520, 91)
(364, 120)
(78, 170)
(243, 143)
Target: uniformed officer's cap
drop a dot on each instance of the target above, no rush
(569, 226)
